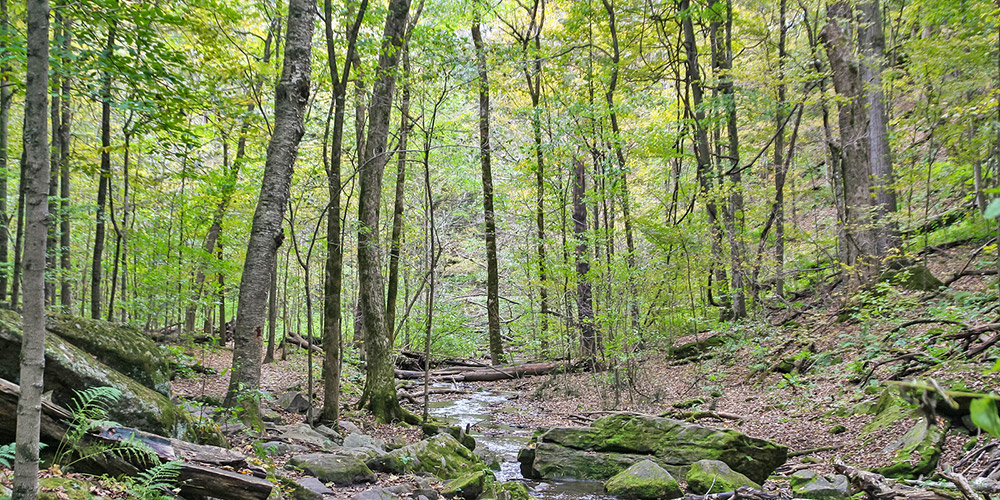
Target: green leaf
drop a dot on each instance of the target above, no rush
(984, 415)
(993, 210)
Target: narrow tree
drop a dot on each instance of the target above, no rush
(65, 144)
(29, 405)
(492, 272)
(333, 279)
(380, 388)
(97, 263)
(5, 100)
(584, 302)
(290, 99)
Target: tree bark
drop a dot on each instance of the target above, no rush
(51, 244)
(333, 279)
(15, 288)
(5, 100)
(779, 162)
(380, 390)
(732, 216)
(29, 405)
(65, 140)
(97, 263)
(489, 215)
(392, 291)
(584, 303)
(266, 235)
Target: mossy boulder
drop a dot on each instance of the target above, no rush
(63, 488)
(714, 476)
(469, 486)
(69, 369)
(915, 277)
(441, 455)
(809, 484)
(916, 453)
(614, 443)
(644, 480)
(344, 470)
(696, 348)
(123, 348)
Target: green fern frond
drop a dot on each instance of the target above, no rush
(7, 455)
(93, 403)
(150, 483)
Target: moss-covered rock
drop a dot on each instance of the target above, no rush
(513, 490)
(344, 470)
(809, 484)
(696, 348)
(917, 453)
(123, 348)
(714, 476)
(622, 440)
(63, 488)
(915, 277)
(69, 369)
(644, 480)
(441, 455)
(469, 486)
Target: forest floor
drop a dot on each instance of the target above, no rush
(799, 410)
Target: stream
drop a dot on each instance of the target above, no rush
(496, 441)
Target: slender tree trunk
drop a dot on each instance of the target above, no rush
(620, 156)
(29, 405)
(333, 279)
(779, 161)
(431, 267)
(65, 140)
(380, 389)
(15, 289)
(266, 235)
(584, 304)
(397, 211)
(5, 100)
(732, 216)
(272, 314)
(97, 263)
(51, 244)
(489, 216)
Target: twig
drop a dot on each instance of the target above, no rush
(962, 484)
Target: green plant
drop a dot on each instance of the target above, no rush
(7, 455)
(90, 412)
(153, 483)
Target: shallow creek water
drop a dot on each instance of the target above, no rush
(501, 442)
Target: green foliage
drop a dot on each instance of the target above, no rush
(984, 415)
(154, 483)
(993, 209)
(89, 409)
(7, 455)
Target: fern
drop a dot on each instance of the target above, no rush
(129, 450)
(7, 455)
(90, 410)
(151, 483)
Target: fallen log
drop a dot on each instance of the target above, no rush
(744, 492)
(204, 470)
(297, 339)
(494, 373)
(879, 487)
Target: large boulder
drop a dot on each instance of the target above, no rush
(441, 455)
(714, 476)
(69, 368)
(644, 481)
(344, 470)
(469, 486)
(123, 348)
(916, 453)
(305, 434)
(809, 484)
(614, 443)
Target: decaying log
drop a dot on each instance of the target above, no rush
(297, 339)
(962, 484)
(744, 492)
(201, 475)
(878, 487)
(700, 414)
(489, 373)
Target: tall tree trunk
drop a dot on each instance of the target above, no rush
(779, 161)
(872, 41)
(392, 291)
(51, 244)
(489, 216)
(732, 215)
(861, 240)
(272, 315)
(5, 100)
(380, 389)
(333, 278)
(65, 140)
(29, 405)
(119, 229)
(15, 289)
(97, 263)
(584, 304)
(266, 235)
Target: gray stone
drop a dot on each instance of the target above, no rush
(294, 402)
(917, 452)
(441, 455)
(355, 440)
(644, 480)
(281, 448)
(334, 468)
(425, 493)
(329, 433)
(809, 484)
(271, 416)
(348, 427)
(714, 476)
(315, 486)
(376, 494)
(304, 434)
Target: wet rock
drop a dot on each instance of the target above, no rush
(293, 401)
(714, 476)
(644, 480)
(69, 368)
(916, 453)
(614, 443)
(809, 484)
(302, 433)
(513, 490)
(440, 455)
(468, 486)
(334, 468)
(310, 488)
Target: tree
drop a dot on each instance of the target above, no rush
(266, 235)
(97, 263)
(36, 170)
(489, 215)
(380, 389)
